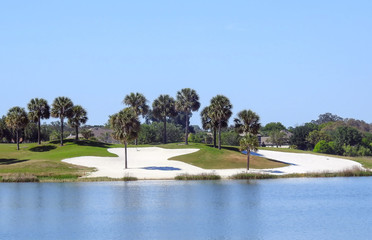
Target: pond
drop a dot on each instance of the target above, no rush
(305, 208)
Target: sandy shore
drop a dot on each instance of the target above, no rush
(153, 163)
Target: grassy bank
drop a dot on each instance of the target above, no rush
(353, 172)
(44, 161)
(228, 157)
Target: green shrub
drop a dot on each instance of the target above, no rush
(363, 151)
(323, 147)
(350, 151)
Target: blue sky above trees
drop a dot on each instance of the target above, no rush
(288, 61)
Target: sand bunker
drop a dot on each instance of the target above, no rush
(153, 163)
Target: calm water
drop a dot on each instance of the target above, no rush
(337, 208)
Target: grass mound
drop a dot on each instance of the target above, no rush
(253, 176)
(203, 176)
(19, 177)
(228, 157)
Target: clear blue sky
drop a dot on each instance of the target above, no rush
(289, 61)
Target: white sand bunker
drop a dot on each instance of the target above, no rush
(143, 163)
(153, 163)
(307, 163)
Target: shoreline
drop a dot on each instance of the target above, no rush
(151, 163)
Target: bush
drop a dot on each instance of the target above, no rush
(230, 138)
(153, 133)
(323, 147)
(363, 151)
(350, 151)
(199, 137)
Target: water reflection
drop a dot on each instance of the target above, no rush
(268, 209)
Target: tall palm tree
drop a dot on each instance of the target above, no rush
(38, 109)
(208, 123)
(247, 122)
(16, 119)
(163, 107)
(137, 101)
(62, 108)
(220, 112)
(126, 127)
(249, 143)
(187, 102)
(78, 117)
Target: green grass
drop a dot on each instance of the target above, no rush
(44, 161)
(228, 157)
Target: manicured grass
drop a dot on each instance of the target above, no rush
(228, 157)
(44, 161)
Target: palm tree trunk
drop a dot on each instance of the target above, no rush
(214, 137)
(165, 131)
(38, 132)
(126, 164)
(17, 136)
(248, 155)
(219, 135)
(61, 131)
(187, 128)
(77, 133)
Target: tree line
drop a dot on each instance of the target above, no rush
(18, 119)
(332, 134)
(126, 125)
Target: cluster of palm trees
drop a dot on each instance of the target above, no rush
(62, 107)
(216, 116)
(126, 124)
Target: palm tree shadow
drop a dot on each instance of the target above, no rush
(84, 143)
(93, 144)
(45, 148)
(231, 148)
(9, 161)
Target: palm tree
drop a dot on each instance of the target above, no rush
(187, 102)
(62, 108)
(137, 101)
(208, 123)
(126, 127)
(220, 112)
(163, 107)
(78, 117)
(247, 122)
(16, 119)
(249, 143)
(38, 109)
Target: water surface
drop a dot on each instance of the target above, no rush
(333, 208)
